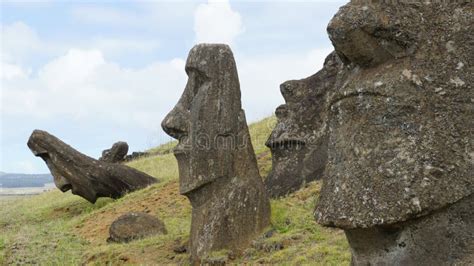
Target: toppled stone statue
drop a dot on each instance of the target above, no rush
(135, 225)
(401, 121)
(83, 175)
(116, 154)
(299, 141)
(217, 165)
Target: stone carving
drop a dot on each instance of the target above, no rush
(83, 175)
(217, 165)
(116, 154)
(135, 225)
(400, 121)
(299, 141)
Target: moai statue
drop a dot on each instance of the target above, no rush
(83, 175)
(299, 141)
(217, 165)
(116, 153)
(400, 173)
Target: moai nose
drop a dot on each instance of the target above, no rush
(175, 123)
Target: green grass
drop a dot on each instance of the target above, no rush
(163, 167)
(57, 228)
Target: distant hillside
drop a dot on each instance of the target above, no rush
(8, 180)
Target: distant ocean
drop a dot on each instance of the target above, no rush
(24, 191)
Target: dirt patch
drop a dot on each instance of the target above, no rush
(159, 202)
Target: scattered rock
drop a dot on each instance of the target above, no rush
(269, 233)
(180, 249)
(268, 247)
(83, 175)
(116, 154)
(135, 225)
(218, 168)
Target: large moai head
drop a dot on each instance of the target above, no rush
(400, 125)
(299, 141)
(217, 166)
(208, 118)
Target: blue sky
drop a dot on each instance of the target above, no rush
(96, 72)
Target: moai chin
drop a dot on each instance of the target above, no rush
(217, 165)
(400, 123)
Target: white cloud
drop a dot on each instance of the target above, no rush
(216, 22)
(82, 85)
(11, 71)
(72, 69)
(18, 41)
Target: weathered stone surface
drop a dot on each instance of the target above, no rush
(217, 165)
(398, 148)
(83, 175)
(299, 140)
(442, 238)
(135, 225)
(400, 125)
(116, 154)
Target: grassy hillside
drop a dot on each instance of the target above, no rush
(60, 228)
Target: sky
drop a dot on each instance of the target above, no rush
(96, 72)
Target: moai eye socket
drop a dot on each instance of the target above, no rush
(196, 79)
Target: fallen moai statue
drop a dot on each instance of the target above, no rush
(217, 165)
(116, 153)
(299, 140)
(400, 172)
(83, 175)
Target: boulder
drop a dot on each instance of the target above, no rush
(83, 175)
(135, 225)
(217, 165)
